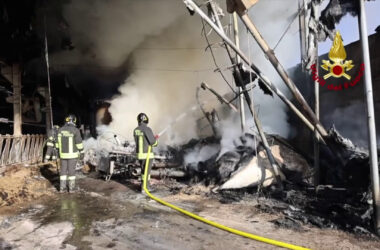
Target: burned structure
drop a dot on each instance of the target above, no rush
(209, 96)
(339, 148)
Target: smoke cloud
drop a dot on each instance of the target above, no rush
(162, 49)
(105, 32)
(166, 70)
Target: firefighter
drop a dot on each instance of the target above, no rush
(70, 147)
(51, 151)
(143, 138)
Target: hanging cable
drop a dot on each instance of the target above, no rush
(287, 29)
(250, 75)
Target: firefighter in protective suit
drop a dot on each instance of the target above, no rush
(51, 150)
(70, 148)
(143, 138)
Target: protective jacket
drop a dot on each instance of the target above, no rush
(143, 138)
(69, 142)
(51, 151)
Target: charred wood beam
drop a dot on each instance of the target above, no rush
(6, 120)
(13, 74)
(241, 99)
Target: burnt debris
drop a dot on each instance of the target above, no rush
(299, 206)
(336, 9)
(244, 165)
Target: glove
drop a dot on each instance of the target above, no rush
(156, 136)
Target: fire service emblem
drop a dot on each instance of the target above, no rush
(337, 55)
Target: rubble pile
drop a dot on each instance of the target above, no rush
(324, 207)
(245, 165)
(233, 175)
(346, 165)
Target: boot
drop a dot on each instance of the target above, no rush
(142, 185)
(62, 186)
(72, 186)
(148, 186)
(142, 189)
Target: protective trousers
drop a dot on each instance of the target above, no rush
(67, 173)
(51, 153)
(142, 164)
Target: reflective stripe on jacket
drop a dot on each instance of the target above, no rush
(143, 138)
(51, 150)
(69, 142)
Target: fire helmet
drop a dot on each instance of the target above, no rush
(71, 119)
(142, 117)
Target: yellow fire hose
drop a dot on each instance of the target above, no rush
(212, 223)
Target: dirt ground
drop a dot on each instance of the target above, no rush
(20, 184)
(114, 215)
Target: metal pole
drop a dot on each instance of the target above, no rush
(49, 110)
(371, 117)
(48, 114)
(264, 79)
(316, 134)
(302, 26)
(17, 114)
(316, 103)
(241, 98)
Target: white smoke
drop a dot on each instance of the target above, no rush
(272, 18)
(341, 118)
(201, 153)
(162, 48)
(106, 142)
(164, 94)
(104, 32)
(230, 130)
(164, 81)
